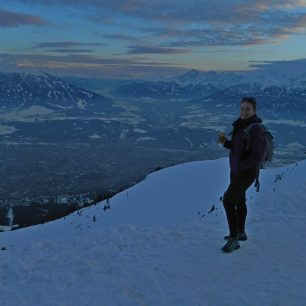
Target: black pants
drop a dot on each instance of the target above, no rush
(234, 200)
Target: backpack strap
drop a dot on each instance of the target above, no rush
(257, 184)
(248, 128)
(247, 131)
(247, 135)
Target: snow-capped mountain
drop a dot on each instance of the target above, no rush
(163, 89)
(158, 243)
(260, 77)
(218, 80)
(273, 101)
(21, 91)
(196, 84)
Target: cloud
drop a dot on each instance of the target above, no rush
(10, 19)
(64, 44)
(90, 66)
(194, 23)
(294, 67)
(178, 12)
(66, 47)
(155, 50)
(125, 68)
(210, 37)
(124, 37)
(70, 50)
(268, 28)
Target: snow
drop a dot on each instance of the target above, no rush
(88, 94)
(81, 103)
(95, 136)
(258, 77)
(295, 145)
(141, 139)
(30, 114)
(287, 122)
(5, 129)
(136, 130)
(159, 245)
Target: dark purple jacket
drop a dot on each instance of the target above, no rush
(240, 158)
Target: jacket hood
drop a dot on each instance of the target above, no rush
(244, 123)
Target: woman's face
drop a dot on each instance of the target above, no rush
(246, 110)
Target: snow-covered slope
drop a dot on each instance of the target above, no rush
(23, 91)
(159, 244)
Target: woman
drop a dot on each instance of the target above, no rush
(244, 165)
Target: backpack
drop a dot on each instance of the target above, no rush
(269, 147)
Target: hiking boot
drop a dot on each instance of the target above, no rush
(231, 245)
(242, 236)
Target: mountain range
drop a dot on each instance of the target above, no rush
(60, 132)
(195, 84)
(21, 91)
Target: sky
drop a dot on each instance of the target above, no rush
(150, 39)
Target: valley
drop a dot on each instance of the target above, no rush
(65, 140)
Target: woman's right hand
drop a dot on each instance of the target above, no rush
(222, 138)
